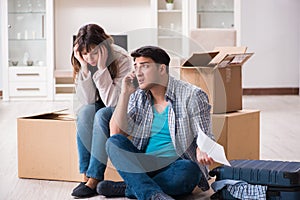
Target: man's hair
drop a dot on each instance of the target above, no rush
(158, 55)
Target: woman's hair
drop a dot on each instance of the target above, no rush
(157, 54)
(88, 37)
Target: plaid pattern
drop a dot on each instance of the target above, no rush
(246, 191)
(240, 189)
(188, 114)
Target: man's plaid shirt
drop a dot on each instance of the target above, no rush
(188, 114)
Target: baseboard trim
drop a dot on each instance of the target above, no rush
(261, 91)
(271, 91)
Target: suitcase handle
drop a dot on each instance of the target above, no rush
(294, 177)
(215, 172)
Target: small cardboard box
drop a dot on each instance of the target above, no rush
(47, 148)
(219, 74)
(239, 134)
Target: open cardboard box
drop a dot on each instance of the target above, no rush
(219, 74)
(47, 148)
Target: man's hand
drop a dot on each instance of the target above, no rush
(127, 84)
(203, 158)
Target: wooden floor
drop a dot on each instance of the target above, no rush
(280, 136)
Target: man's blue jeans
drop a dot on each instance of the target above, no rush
(177, 177)
(92, 133)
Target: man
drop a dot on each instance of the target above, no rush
(162, 118)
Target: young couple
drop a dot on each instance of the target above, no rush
(148, 132)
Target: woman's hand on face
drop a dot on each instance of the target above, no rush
(127, 83)
(203, 158)
(78, 56)
(82, 62)
(102, 58)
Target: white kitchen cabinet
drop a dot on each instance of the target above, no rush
(215, 13)
(172, 26)
(27, 45)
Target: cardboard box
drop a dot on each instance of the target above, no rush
(47, 148)
(219, 74)
(238, 133)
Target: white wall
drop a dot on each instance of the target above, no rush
(270, 28)
(1, 73)
(1, 48)
(115, 16)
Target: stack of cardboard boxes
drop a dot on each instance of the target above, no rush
(219, 74)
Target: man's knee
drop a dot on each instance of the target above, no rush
(113, 143)
(190, 171)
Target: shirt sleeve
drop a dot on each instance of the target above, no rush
(200, 114)
(85, 89)
(131, 113)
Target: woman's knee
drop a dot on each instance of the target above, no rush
(86, 112)
(104, 115)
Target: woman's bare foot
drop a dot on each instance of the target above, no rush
(85, 178)
(92, 183)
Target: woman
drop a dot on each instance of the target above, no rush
(99, 66)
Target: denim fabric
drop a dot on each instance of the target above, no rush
(92, 133)
(177, 177)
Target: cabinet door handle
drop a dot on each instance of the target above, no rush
(28, 89)
(43, 26)
(28, 74)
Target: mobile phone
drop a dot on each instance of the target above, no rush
(135, 82)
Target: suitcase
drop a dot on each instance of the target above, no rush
(281, 177)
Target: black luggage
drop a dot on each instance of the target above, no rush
(281, 178)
